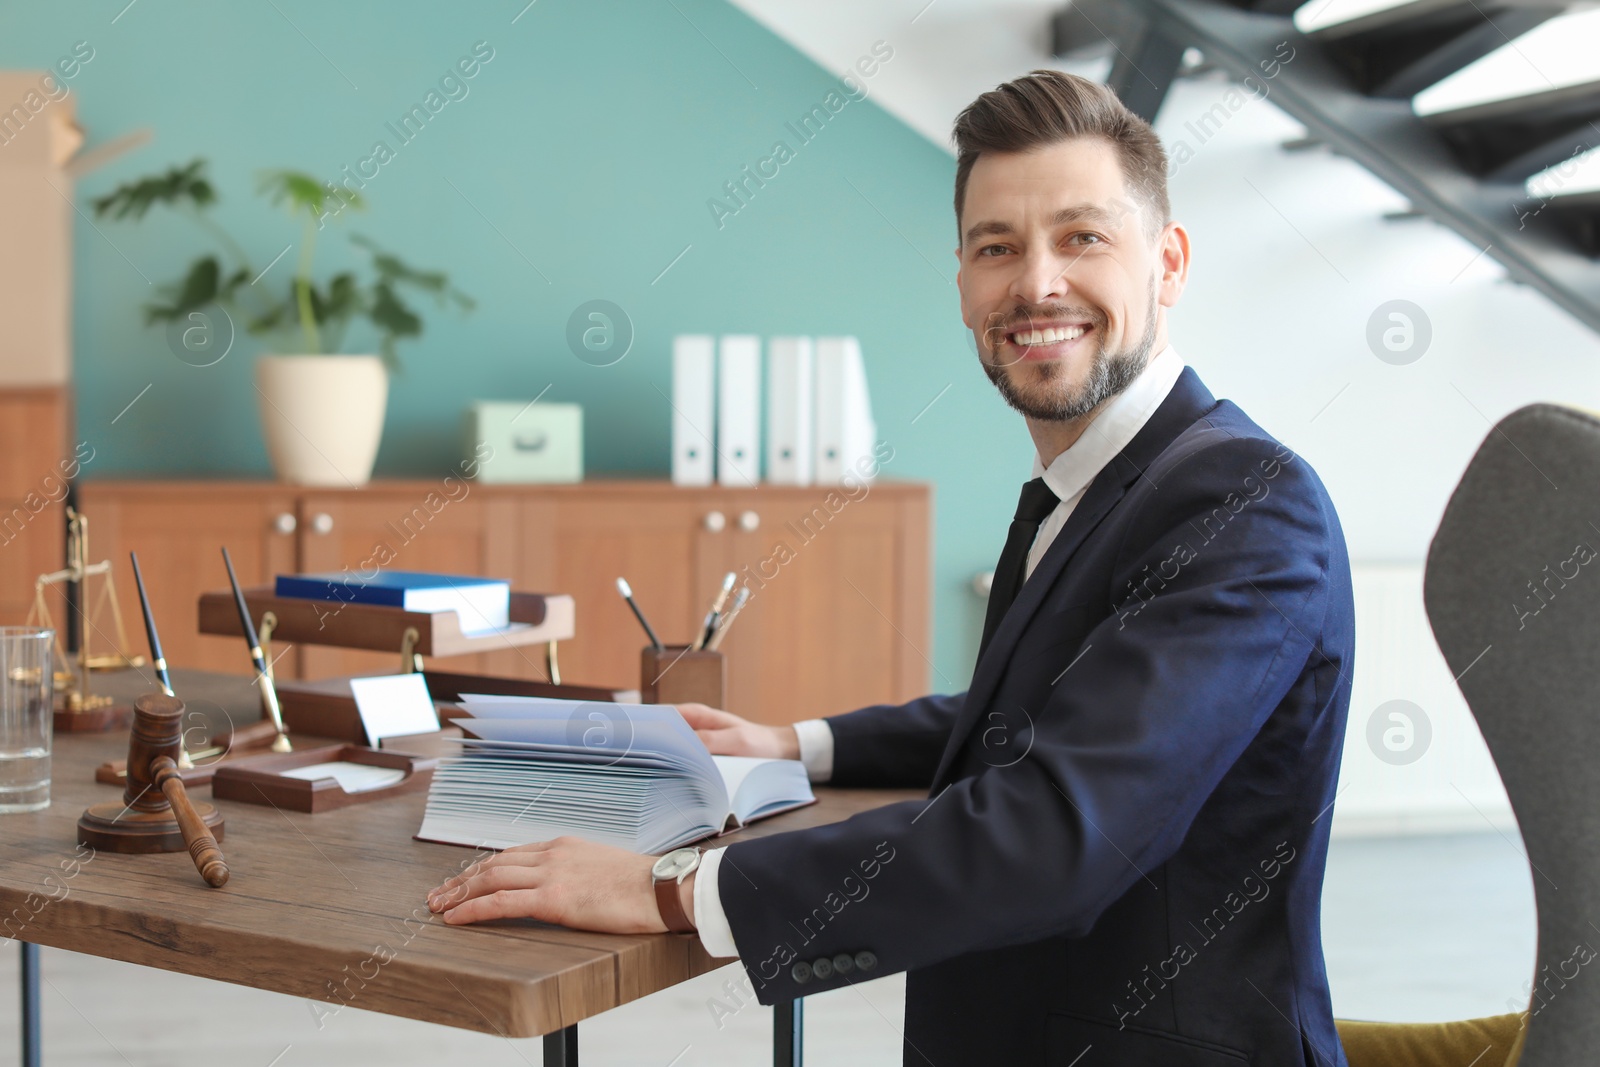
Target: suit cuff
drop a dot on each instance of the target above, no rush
(709, 918)
(816, 748)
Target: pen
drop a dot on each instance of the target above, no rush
(157, 660)
(727, 620)
(627, 594)
(707, 628)
(269, 695)
(714, 616)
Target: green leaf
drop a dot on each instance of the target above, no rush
(266, 322)
(391, 315)
(198, 288)
(231, 284)
(178, 186)
(391, 269)
(305, 194)
(341, 300)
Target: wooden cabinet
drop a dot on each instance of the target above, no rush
(581, 545)
(179, 530)
(839, 615)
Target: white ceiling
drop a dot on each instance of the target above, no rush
(945, 52)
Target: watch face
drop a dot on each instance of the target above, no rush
(677, 863)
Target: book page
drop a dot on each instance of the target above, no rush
(761, 787)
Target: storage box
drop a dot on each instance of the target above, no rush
(521, 442)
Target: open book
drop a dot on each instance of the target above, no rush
(632, 775)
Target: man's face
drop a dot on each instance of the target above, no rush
(1061, 276)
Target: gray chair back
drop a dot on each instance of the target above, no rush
(1512, 590)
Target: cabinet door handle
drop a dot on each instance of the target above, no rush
(749, 521)
(284, 522)
(715, 522)
(322, 523)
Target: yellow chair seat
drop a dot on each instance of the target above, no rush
(1495, 1041)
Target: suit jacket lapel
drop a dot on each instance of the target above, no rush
(1188, 401)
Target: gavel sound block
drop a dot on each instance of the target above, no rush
(155, 813)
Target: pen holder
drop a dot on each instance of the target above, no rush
(678, 674)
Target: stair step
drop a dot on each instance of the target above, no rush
(1511, 139)
(1399, 51)
(1579, 215)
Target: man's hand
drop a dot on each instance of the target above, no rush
(726, 734)
(569, 881)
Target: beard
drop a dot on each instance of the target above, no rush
(1047, 397)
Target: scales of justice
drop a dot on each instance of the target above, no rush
(77, 709)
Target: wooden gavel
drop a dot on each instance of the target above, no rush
(155, 813)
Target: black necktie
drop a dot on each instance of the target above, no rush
(1037, 502)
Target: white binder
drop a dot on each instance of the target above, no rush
(739, 411)
(790, 381)
(845, 431)
(694, 370)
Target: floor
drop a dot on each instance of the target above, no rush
(1415, 928)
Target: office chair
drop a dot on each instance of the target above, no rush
(1512, 589)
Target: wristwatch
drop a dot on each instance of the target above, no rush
(668, 873)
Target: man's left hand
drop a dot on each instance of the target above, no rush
(568, 881)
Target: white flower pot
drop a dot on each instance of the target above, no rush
(322, 416)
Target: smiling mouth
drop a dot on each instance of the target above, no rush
(1049, 335)
(1046, 341)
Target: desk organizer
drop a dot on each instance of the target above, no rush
(260, 779)
(326, 708)
(678, 674)
(535, 618)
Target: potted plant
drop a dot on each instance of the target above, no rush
(321, 412)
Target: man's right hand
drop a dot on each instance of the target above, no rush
(726, 734)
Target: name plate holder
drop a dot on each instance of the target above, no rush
(262, 779)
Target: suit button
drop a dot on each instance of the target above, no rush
(843, 963)
(801, 972)
(822, 968)
(866, 960)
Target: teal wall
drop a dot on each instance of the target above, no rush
(588, 146)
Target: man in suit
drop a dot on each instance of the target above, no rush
(1120, 859)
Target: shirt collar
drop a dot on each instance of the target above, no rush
(1123, 416)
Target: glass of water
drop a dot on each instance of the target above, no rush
(26, 717)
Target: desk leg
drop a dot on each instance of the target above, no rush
(561, 1047)
(32, 1032)
(788, 1028)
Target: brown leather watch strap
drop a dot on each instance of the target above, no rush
(671, 907)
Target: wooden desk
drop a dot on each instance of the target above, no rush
(329, 907)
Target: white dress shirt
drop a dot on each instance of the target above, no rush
(1068, 476)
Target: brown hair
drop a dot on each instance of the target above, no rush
(1047, 107)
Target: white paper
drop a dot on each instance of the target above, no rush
(352, 777)
(393, 705)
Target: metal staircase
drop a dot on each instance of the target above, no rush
(1351, 85)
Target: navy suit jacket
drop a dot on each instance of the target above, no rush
(1121, 859)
